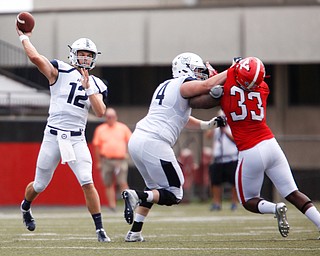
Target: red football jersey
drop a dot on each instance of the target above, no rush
(246, 112)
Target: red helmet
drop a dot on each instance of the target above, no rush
(249, 72)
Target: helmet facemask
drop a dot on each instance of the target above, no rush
(201, 73)
(82, 60)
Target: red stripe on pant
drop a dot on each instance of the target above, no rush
(240, 183)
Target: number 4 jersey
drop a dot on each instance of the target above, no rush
(168, 113)
(69, 104)
(246, 112)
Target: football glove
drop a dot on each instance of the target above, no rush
(216, 92)
(219, 121)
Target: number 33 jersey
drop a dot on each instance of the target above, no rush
(246, 112)
(69, 104)
(168, 112)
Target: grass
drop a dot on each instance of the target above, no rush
(186, 229)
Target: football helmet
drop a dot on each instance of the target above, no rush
(189, 64)
(83, 44)
(249, 72)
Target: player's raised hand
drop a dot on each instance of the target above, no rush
(212, 71)
(85, 78)
(20, 33)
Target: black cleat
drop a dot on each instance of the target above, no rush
(28, 220)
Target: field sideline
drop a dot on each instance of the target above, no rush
(186, 229)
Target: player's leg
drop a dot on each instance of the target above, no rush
(82, 168)
(249, 179)
(283, 180)
(107, 173)
(160, 176)
(48, 159)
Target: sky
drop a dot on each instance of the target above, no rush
(15, 5)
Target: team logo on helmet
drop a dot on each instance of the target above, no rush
(249, 73)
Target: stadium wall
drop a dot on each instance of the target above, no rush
(19, 146)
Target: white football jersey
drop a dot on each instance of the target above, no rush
(69, 104)
(168, 113)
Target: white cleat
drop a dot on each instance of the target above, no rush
(131, 201)
(134, 237)
(281, 215)
(102, 236)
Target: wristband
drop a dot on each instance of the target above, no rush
(23, 37)
(204, 125)
(89, 91)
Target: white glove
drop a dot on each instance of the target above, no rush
(216, 92)
(215, 122)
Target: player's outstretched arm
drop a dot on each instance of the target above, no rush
(42, 63)
(194, 123)
(204, 101)
(196, 87)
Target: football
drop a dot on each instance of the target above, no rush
(25, 22)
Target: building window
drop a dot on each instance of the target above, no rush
(304, 84)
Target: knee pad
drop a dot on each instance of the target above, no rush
(39, 187)
(146, 205)
(167, 198)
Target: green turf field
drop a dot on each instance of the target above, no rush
(180, 230)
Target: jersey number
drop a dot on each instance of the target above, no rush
(255, 115)
(160, 94)
(78, 98)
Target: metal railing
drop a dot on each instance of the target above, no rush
(12, 56)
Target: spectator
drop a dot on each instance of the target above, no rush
(224, 165)
(110, 142)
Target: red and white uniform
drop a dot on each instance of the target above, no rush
(259, 152)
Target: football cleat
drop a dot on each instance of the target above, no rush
(131, 201)
(28, 219)
(215, 207)
(134, 237)
(283, 225)
(102, 236)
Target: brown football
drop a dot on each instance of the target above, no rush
(25, 22)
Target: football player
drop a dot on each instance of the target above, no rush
(151, 144)
(243, 98)
(73, 92)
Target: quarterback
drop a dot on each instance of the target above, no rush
(73, 92)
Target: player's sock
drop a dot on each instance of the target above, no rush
(142, 195)
(136, 226)
(266, 207)
(97, 218)
(138, 222)
(26, 205)
(150, 196)
(313, 215)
